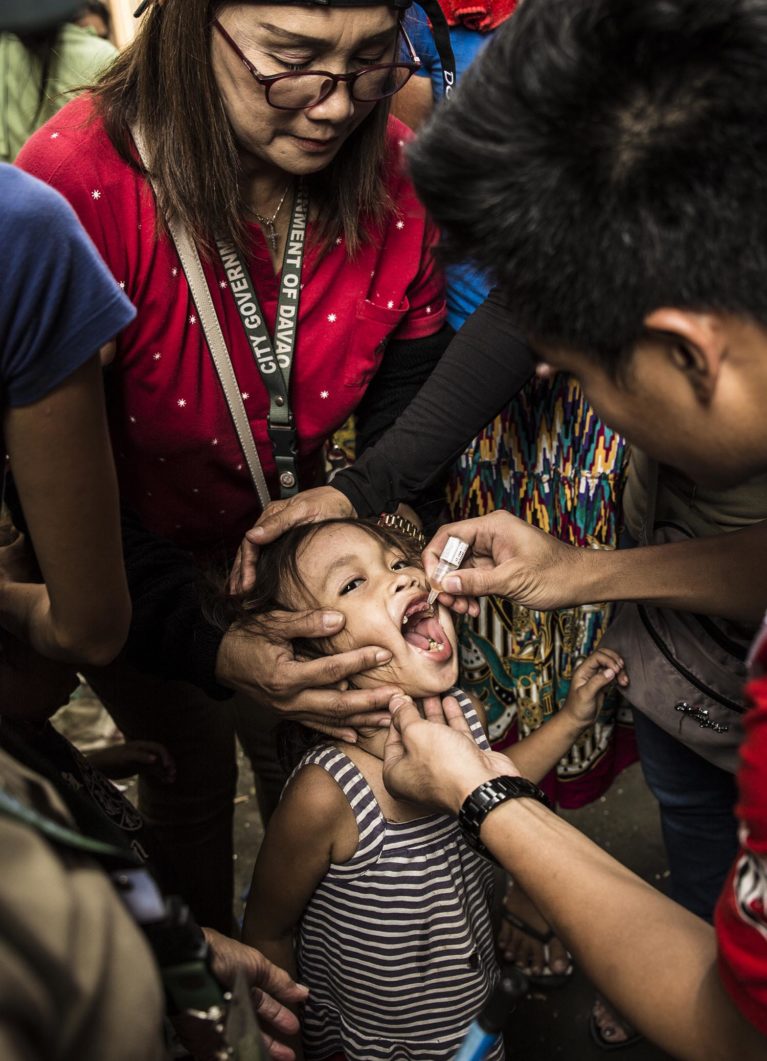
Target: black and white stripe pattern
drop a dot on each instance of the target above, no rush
(396, 945)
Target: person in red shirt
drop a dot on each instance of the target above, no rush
(265, 135)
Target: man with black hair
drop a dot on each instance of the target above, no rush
(612, 160)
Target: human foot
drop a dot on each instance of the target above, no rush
(609, 1030)
(526, 940)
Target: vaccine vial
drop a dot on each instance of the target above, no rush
(451, 558)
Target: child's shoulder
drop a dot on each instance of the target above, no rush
(315, 805)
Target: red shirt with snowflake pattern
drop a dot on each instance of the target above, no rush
(179, 461)
(741, 913)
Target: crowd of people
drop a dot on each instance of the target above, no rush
(522, 246)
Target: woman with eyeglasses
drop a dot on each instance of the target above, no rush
(244, 149)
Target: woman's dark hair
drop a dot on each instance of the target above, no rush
(164, 81)
(277, 578)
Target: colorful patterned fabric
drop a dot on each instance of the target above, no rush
(548, 459)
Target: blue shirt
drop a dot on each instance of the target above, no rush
(467, 287)
(58, 302)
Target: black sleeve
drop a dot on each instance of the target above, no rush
(405, 367)
(169, 634)
(486, 364)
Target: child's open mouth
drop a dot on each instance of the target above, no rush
(422, 629)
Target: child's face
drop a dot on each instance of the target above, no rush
(383, 598)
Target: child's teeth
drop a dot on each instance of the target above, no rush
(404, 620)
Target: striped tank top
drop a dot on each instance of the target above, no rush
(396, 944)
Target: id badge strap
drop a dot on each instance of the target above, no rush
(274, 359)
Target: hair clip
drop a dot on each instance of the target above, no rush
(392, 521)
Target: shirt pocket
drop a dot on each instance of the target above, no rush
(372, 327)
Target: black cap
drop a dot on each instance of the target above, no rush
(22, 16)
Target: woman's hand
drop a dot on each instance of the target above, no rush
(310, 506)
(438, 765)
(509, 558)
(267, 670)
(590, 682)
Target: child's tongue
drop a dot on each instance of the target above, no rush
(428, 631)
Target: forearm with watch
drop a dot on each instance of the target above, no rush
(653, 960)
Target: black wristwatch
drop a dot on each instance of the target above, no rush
(489, 795)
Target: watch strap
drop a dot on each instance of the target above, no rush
(485, 798)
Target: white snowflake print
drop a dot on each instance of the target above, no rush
(132, 419)
(192, 319)
(428, 309)
(400, 224)
(174, 271)
(95, 194)
(156, 355)
(222, 284)
(332, 318)
(55, 136)
(245, 396)
(390, 304)
(324, 394)
(238, 468)
(339, 241)
(122, 284)
(214, 442)
(195, 490)
(181, 403)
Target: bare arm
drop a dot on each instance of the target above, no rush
(722, 575)
(62, 465)
(312, 826)
(602, 912)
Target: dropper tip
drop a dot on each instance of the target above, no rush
(432, 596)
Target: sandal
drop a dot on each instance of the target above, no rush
(547, 980)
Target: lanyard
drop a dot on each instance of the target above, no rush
(274, 358)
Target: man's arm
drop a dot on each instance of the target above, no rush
(722, 575)
(651, 958)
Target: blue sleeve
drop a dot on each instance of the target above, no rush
(58, 301)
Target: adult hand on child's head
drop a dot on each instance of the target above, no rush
(267, 670)
(272, 992)
(310, 506)
(436, 765)
(507, 558)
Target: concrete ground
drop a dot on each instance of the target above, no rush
(546, 1026)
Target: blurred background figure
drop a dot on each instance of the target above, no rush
(95, 16)
(41, 68)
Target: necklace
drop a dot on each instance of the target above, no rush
(268, 222)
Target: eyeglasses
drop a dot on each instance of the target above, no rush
(298, 90)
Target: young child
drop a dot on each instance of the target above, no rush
(381, 907)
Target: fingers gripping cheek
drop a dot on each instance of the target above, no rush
(345, 641)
